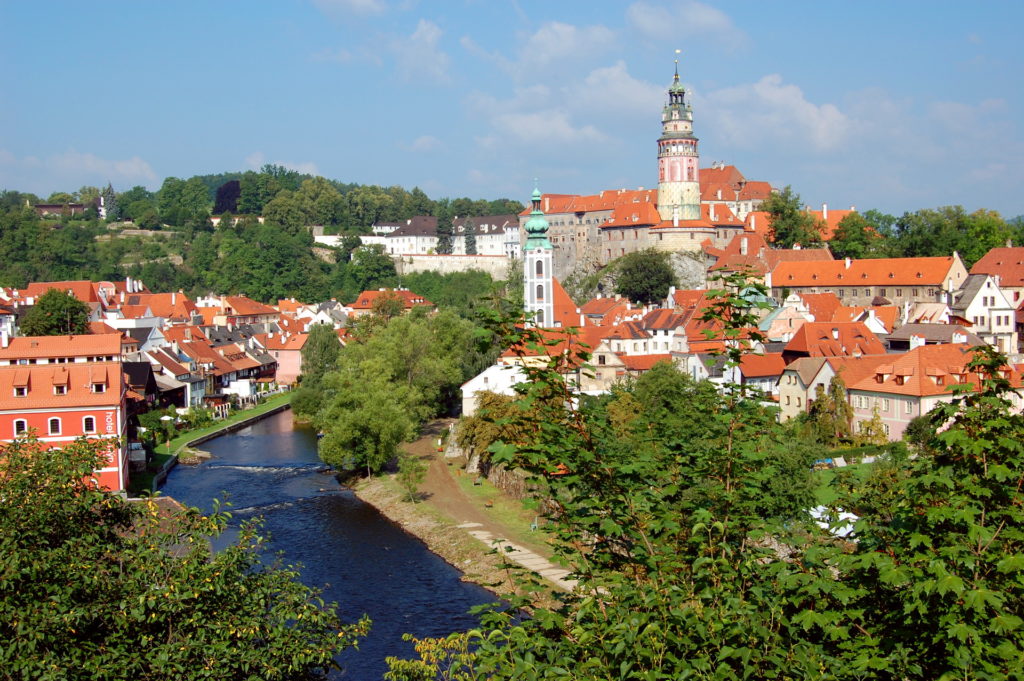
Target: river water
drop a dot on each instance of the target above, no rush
(359, 558)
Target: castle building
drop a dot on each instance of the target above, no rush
(678, 158)
(687, 211)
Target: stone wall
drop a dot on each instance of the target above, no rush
(494, 265)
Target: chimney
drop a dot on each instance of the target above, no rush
(824, 212)
(174, 298)
(753, 222)
(743, 245)
(917, 341)
(713, 218)
(4, 339)
(848, 263)
(547, 204)
(835, 333)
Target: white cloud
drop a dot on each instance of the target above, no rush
(556, 42)
(613, 89)
(343, 8)
(424, 143)
(419, 57)
(685, 20)
(70, 170)
(548, 127)
(770, 112)
(255, 160)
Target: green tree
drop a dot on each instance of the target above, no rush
(95, 587)
(856, 238)
(645, 276)
(371, 268)
(939, 579)
(831, 415)
(56, 313)
(319, 353)
(789, 223)
(411, 473)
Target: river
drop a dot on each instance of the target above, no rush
(360, 559)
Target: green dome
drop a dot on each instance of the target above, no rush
(537, 226)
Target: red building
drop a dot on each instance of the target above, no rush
(63, 388)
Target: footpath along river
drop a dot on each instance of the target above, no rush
(358, 557)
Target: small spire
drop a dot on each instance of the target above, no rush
(676, 79)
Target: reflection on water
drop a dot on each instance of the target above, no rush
(358, 557)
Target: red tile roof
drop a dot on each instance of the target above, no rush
(761, 366)
(37, 347)
(823, 306)
(1007, 263)
(865, 272)
(644, 362)
(78, 380)
(365, 300)
(828, 339)
(924, 371)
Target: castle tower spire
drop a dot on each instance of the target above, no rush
(678, 158)
(538, 296)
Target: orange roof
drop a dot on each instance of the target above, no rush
(633, 215)
(886, 314)
(289, 305)
(865, 272)
(644, 362)
(758, 222)
(834, 339)
(78, 380)
(245, 307)
(823, 306)
(203, 352)
(176, 306)
(365, 300)
(37, 347)
(563, 306)
(827, 226)
(182, 334)
(925, 370)
(208, 314)
(759, 366)
(1006, 263)
(235, 354)
(282, 341)
(82, 289)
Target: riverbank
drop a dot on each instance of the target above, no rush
(460, 528)
(167, 459)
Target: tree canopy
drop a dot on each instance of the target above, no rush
(56, 313)
(96, 587)
(788, 222)
(645, 276)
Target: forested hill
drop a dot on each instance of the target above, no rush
(180, 249)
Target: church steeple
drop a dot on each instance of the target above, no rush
(678, 159)
(538, 292)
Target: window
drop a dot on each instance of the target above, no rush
(99, 387)
(881, 292)
(885, 404)
(89, 424)
(540, 317)
(20, 391)
(908, 407)
(899, 293)
(600, 359)
(60, 390)
(799, 402)
(540, 268)
(53, 427)
(540, 291)
(20, 427)
(867, 292)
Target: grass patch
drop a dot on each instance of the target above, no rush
(507, 512)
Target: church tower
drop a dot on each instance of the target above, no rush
(538, 296)
(678, 185)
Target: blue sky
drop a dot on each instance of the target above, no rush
(889, 105)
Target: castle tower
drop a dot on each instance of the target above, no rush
(537, 269)
(678, 185)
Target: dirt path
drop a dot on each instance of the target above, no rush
(467, 523)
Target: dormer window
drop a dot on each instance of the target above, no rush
(99, 387)
(20, 391)
(60, 390)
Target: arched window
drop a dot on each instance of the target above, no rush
(20, 427)
(540, 317)
(89, 424)
(540, 268)
(540, 291)
(53, 427)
